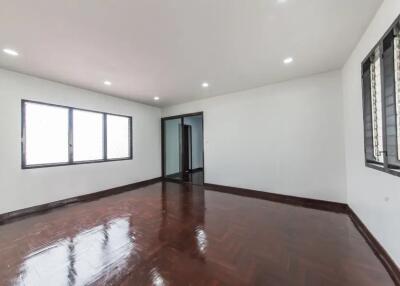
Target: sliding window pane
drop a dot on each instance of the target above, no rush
(381, 103)
(118, 137)
(367, 111)
(46, 134)
(87, 136)
(389, 96)
(397, 87)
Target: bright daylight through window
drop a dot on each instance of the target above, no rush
(57, 135)
(88, 135)
(46, 134)
(117, 132)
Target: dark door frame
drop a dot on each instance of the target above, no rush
(181, 116)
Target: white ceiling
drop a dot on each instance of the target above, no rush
(167, 48)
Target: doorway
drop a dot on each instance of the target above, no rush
(183, 148)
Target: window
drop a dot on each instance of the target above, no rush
(397, 83)
(55, 135)
(381, 103)
(376, 105)
(117, 132)
(87, 135)
(46, 140)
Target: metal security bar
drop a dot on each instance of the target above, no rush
(380, 73)
(376, 104)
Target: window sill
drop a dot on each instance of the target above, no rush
(72, 164)
(383, 169)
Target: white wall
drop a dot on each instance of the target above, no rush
(26, 188)
(196, 122)
(373, 195)
(285, 138)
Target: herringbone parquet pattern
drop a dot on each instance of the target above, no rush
(171, 234)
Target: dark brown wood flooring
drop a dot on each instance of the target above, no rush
(172, 234)
(195, 178)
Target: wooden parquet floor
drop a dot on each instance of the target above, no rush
(171, 234)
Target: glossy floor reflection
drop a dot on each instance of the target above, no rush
(172, 234)
(195, 178)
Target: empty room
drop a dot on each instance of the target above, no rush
(200, 142)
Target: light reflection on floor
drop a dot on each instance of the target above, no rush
(83, 259)
(182, 234)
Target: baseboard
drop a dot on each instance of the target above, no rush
(376, 247)
(291, 200)
(11, 216)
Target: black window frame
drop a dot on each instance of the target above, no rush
(70, 137)
(384, 45)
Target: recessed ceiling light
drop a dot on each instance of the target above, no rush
(205, 84)
(156, 98)
(287, 60)
(106, 82)
(282, 1)
(11, 52)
